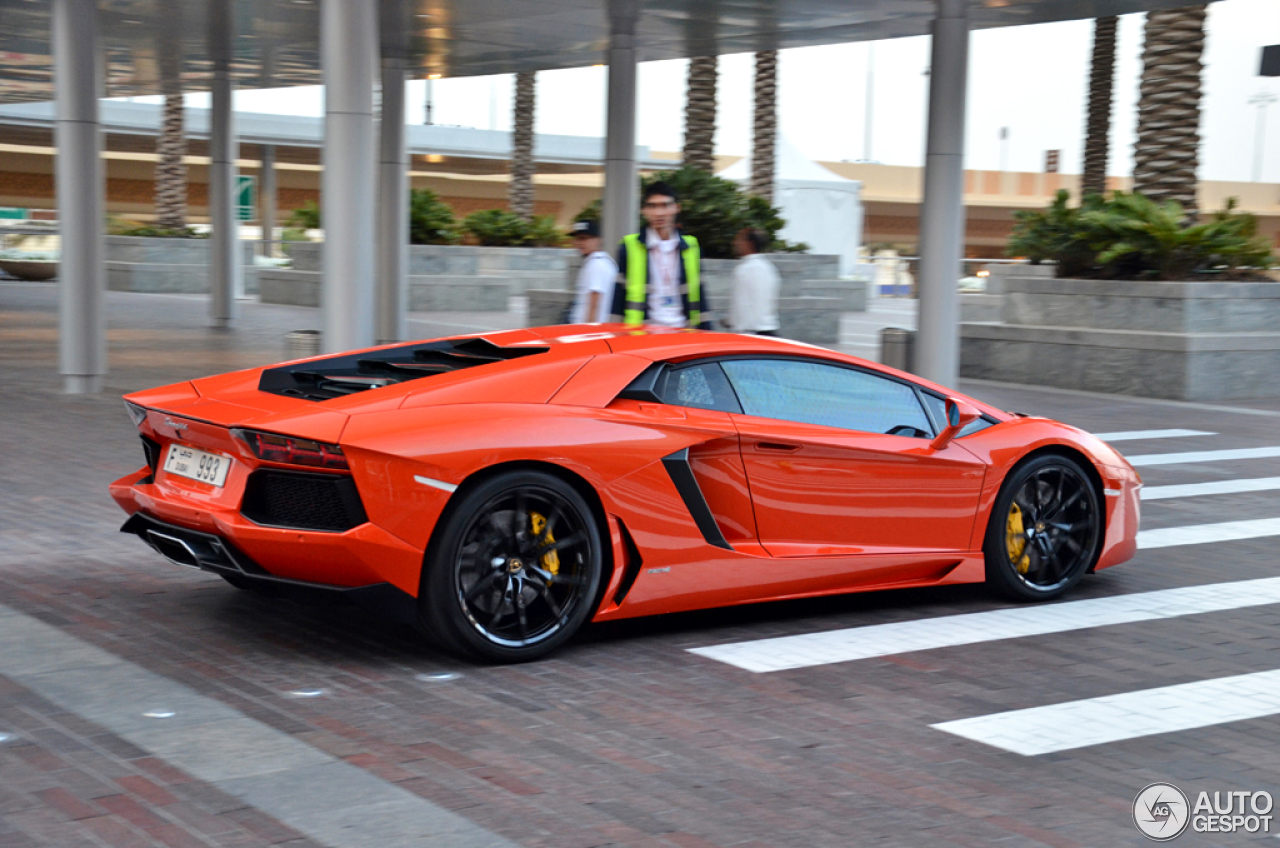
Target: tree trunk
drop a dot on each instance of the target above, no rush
(700, 114)
(522, 168)
(765, 127)
(171, 170)
(1166, 153)
(1098, 129)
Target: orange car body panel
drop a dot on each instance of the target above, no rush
(806, 510)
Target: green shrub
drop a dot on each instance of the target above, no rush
(501, 228)
(117, 226)
(1130, 236)
(590, 212)
(496, 227)
(293, 234)
(543, 232)
(1056, 234)
(431, 220)
(306, 216)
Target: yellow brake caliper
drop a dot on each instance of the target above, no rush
(1016, 540)
(550, 561)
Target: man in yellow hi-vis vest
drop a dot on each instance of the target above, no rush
(661, 269)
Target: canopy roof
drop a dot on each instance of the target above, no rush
(276, 42)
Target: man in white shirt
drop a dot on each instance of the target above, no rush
(755, 286)
(596, 279)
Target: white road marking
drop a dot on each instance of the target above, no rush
(1132, 435)
(882, 640)
(1128, 715)
(1199, 534)
(328, 799)
(1148, 459)
(1216, 487)
(437, 484)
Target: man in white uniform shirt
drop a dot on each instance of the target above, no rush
(596, 279)
(755, 286)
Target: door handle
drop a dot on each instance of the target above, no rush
(776, 446)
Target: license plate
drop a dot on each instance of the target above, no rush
(199, 465)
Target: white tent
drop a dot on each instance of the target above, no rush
(821, 208)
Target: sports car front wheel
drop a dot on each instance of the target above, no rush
(515, 569)
(1045, 531)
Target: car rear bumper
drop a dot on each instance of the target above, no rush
(217, 536)
(209, 552)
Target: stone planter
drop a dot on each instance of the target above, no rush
(807, 319)
(442, 293)
(444, 278)
(1198, 341)
(176, 265)
(547, 305)
(521, 268)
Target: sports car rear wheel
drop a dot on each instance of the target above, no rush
(1045, 531)
(516, 569)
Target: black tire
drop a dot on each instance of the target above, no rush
(515, 570)
(1045, 531)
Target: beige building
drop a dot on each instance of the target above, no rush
(891, 193)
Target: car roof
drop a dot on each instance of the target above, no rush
(660, 344)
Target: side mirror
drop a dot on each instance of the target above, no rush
(959, 416)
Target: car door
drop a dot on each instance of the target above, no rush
(838, 461)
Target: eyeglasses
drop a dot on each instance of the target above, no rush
(656, 205)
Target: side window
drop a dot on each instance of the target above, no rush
(938, 409)
(816, 393)
(701, 386)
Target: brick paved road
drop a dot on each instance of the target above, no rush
(624, 738)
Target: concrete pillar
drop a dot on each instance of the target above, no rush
(392, 296)
(621, 194)
(267, 198)
(77, 70)
(942, 209)
(226, 276)
(348, 54)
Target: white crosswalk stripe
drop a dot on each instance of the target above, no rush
(1214, 487)
(879, 640)
(1134, 435)
(1149, 459)
(1093, 721)
(1129, 715)
(1200, 534)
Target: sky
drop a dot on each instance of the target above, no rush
(1031, 79)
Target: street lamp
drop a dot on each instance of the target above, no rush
(1261, 100)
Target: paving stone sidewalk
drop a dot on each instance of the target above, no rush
(624, 738)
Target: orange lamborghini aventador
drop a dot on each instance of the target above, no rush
(502, 489)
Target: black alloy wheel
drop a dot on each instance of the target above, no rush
(515, 570)
(1046, 529)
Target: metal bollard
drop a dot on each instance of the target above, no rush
(301, 344)
(897, 348)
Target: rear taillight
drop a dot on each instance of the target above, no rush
(137, 414)
(288, 450)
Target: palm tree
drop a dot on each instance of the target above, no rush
(521, 193)
(171, 169)
(764, 130)
(1166, 153)
(700, 114)
(1098, 129)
